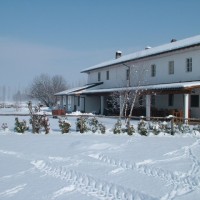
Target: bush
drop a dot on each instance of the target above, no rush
(45, 123)
(4, 126)
(95, 125)
(64, 125)
(183, 128)
(155, 127)
(130, 130)
(117, 127)
(81, 124)
(196, 128)
(20, 127)
(102, 128)
(37, 120)
(142, 128)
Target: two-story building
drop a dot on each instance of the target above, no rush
(167, 78)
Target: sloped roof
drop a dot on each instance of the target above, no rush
(157, 87)
(70, 91)
(185, 43)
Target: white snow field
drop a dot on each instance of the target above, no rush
(77, 166)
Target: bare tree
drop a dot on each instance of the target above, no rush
(130, 94)
(44, 87)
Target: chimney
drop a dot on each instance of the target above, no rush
(147, 47)
(173, 40)
(118, 54)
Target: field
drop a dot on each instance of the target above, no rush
(97, 166)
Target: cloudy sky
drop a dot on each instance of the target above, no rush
(62, 37)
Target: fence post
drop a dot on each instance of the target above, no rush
(172, 125)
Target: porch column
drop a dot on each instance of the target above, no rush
(148, 107)
(61, 101)
(102, 105)
(186, 106)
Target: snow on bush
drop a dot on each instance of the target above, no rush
(117, 127)
(38, 120)
(143, 128)
(81, 124)
(4, 126)
(20, 127)
(96, 126)
(64, 125)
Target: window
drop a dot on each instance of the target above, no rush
(170, 100)
(107, 75)
(171, 67)
(188, 64)
(194, 101)
(153, 70)
(128, 74)
(99, 76)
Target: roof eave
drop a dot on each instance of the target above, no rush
(142, 57)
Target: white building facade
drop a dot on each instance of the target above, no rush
(168, 77)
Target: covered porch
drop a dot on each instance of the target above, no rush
(177, 99)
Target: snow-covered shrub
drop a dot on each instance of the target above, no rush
(4, 126)
(20, 127)
(117, 127)
(183, 128)
(164, 126)
(37, 120)
(143, 127)
(130, 130)
(93, 123)
(45, 123)
(102, 128)
(81, 124)
(196, 128)
(156, 129)
(120, 128)
(64, 125)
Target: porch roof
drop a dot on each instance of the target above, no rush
(180, 86)
(77, 89)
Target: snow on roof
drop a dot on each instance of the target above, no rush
(149, 52)
(65, 92)
(167, 86)
(73, 90)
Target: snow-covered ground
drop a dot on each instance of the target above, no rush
(94, 166)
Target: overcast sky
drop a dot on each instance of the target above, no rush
(65, 36)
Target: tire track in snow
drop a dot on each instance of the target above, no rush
(11, 192)
(183, 182)
(89, 185)
(192, 176)
(166, 175)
